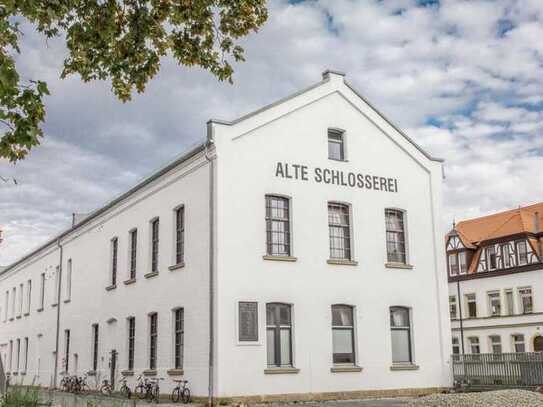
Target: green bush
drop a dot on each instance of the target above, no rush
(17, 397)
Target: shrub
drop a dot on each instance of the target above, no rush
(17, 397)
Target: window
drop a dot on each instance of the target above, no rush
(180, 235)
(133, 253)
(343, 334)
(154, 245)
(11, 356)
(395, 235)
(452, 307)
(277, 226)
(131, 341)
(21, 294)
(463, 260)
(26, 355)
(474, 345)
(509, 302)
(178, 338)
(526, 304)
(336, 148)
(471, 305)
(494, 302)
(6, 306)
(518, 343)
(153, 336)
(279, 335)
(455, 346)
(522, 253)
(18, 355)
(496, 344)
(340, 232)
(42, 290)
(453, 264)
(66, 350)
(401, 335)
(55, 287)
(13, 301)
(95, 347)
(491, 258)
(68, 293)
(114, 251)
(506, 255)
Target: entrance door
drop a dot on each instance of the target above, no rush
(538, 344)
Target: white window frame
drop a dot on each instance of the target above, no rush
(493, 343)
(521, 295)
(474, 341)
(28, 297)
(467, 304)
(518, 342)
(489, 296)
(342, 134)
(68, 288)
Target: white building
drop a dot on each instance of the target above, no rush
(301, 241)
(495, 282)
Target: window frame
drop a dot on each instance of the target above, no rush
(505, 251)
(66, 350)
(337, 136)
(466, 297)
(490, 295)
(493, 344)
(68, 288)
(453, 268)
(132, 253)
(518, 253)
(453, 303)
(113, 261)
(42, 291)
(178, 338)
(406, 328)
(473, 343)
(95, 346)
(180, 225)
(153, 340)
(488, 257)
(155, 244)
(517, 342)
(397, 232)
(509, 296)
(351, 329)
(277, 328)
(131, 342)
(285, 221)
(348, 248)
(522, 295)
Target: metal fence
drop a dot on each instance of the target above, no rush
(503, 370)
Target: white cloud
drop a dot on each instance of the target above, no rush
(473, 66)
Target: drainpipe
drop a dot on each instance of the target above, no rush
(460, 315)
(58, 313)
(210, 160)
(537, 228)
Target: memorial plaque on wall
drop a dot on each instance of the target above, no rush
(248, 322)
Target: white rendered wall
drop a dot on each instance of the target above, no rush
(296, 132)
(89, 249)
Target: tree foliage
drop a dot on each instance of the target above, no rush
(117, 40)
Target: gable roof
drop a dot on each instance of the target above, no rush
(326, 77)
(502, 224)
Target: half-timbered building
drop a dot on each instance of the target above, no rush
(495, 275)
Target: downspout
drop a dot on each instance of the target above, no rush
(210, 160)
(58, 313)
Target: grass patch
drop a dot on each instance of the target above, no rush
(17, 397)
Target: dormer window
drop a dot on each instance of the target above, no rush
(491, 258)
(463, 262)
(453, 264)
(522, 253)
(336, 145)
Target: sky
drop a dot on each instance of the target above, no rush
(464, 79)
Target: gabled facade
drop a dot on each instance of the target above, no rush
(494, 268)
(294, 254)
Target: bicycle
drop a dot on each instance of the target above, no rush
(140, 389)
(106, 389)
(125, 390)
(153, 390)
(181, 391)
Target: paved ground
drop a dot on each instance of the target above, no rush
(396, 402)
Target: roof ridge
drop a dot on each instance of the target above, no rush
(501, 213)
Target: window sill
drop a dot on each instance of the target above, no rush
(129, 281)
(111, 287)
(15, 374)
(345, 369)
(23, 373)
(404, 366)
(27, 314)
(279, 258)
(281, 370)
(39, 309)
(91, 373)
(151, 274)
(175, 372)
(150, 372)
(392, 265)
(176, 266)
(12, 319)
(339, 262)
(54, 305)
(67, 301)
(127, 373)
(19, 316)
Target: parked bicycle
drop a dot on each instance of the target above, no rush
(140, 390)
(153, 390)
(106, 388)
(181, 392)
(125, 390)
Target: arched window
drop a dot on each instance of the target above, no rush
(400, 325)
(279, 334)
(343, 334)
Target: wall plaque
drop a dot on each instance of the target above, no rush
(248, 322)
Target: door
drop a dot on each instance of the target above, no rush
(538, 344)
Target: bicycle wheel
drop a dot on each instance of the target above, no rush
(105, 390)
(156, 394)
(176, 394)
(186, 396)
(125, 391)
(140, 392)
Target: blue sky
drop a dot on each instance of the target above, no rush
(462, 78)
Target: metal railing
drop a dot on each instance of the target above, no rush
(502, 370)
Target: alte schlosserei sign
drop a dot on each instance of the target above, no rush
(335, 177)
